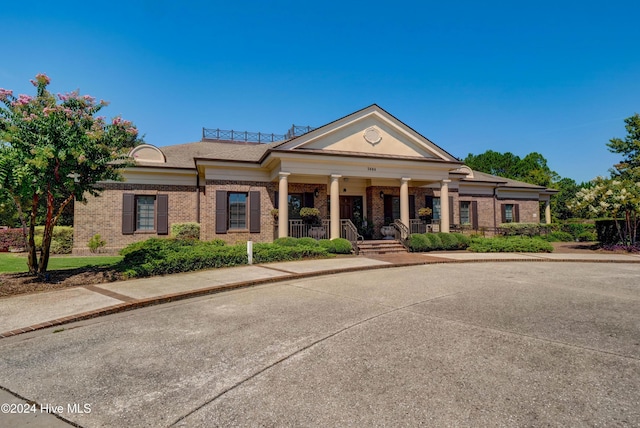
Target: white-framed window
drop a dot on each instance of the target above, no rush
(465, 212)
(145, 213)
(237, 210)
(508, 213)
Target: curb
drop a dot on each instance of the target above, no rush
(167, 298)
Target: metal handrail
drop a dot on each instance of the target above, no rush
(401, 233)
(349, 231)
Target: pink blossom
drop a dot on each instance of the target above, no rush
(132, 131)
(4, 93)
(22, 100)
(116, 120)
(43, 79)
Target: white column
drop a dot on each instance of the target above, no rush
(444, 206)
(335, 206)
(404, 201)
(547, 212)
(283, 205)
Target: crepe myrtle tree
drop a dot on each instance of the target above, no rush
(614, 198)
(56, 148)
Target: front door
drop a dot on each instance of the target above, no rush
(351, 208)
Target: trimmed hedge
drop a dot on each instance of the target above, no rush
(510, 244)
(11, 238)
(419, 242)
(523, 229)
(559, 236)
(157, 256)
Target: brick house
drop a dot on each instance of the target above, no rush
(367, 168)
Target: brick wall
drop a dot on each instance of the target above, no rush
(267, 203)
(103, 215)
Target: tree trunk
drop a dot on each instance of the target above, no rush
(50, 222)
(32, 258)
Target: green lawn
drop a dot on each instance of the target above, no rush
(10, 262)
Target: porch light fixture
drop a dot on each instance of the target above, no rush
(316, 192)
(381, 194)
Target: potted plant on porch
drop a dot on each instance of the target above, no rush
(311, 216)
(425, 213)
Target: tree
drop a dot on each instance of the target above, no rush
(532, 168)
(53, 151)
(615, 198)
(629, 147)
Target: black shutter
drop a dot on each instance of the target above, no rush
(162, 214)
(307, 200)
(412, 206)
(451, 218)
(221, 211)
(276, 201)
(503, 208)
(388, 208)
(254, 212)
(428, 202)
(128, 213)
(516, 213)
(474, 215)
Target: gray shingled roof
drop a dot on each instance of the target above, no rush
(182, 155)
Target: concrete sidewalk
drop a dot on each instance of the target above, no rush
(24, 313)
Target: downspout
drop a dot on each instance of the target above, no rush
(197, 195)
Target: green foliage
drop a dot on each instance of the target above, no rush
(95, 243)
(190, 230)
(629, 147)
(266, 253)
(309, 242)
(510, 244)
(607, 231)
(157, 256)
(54, 151)
(559, 236)
(420, 242)
(522, 229)
(286, 242)
(614, 198)
(61, 241)
(532, 168)
(11, 238)
(336, 246)
(587, 237)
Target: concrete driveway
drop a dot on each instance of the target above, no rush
(486, 344)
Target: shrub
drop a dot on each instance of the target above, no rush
(438, 241)
(434, 241)
(607, 232)
(286, 242)
(95, 243)
(587, 236)
(158, 256)
(11, 238)
(449, 241)
(61, 241)
(309, 242)
(512, 244)
(522, 229)
(336, 246)
(189, 230)
(265, 253)
(419, 242)
(559, 236)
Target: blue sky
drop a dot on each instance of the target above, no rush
(554, 77)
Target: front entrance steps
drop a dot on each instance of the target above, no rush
(384, 246)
